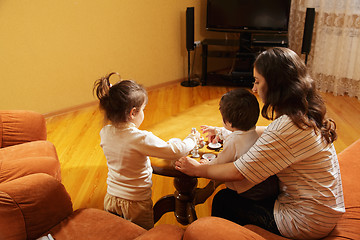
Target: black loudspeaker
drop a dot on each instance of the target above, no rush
(190, 28)
(190, 45)
(308, 31)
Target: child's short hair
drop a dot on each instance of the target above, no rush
(117, 100)
(240, 108)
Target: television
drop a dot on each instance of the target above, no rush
(248, 15)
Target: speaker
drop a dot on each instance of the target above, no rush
(190, 28)
(308, 30)
(190, 45)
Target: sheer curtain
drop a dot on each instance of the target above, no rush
(334, 60)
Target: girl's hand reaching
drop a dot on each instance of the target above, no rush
(187, 165)
(211, 133)
(208, 129)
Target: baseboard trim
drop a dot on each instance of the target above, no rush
(93, 103)
(164, 84)
(69, 109)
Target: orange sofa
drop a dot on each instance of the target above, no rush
(34, 202)
(347, 228)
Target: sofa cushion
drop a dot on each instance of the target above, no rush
(163, 232)
(19, 126)
(32, 204)
(264, 233)
(94, 224)
(27, 158)
(349, 161)
(1, 132)
(209, 228)
(11, 213)
(348, 225)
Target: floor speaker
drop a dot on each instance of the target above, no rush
(308, 31)
(190, 28)
(190, 45)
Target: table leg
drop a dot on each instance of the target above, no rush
(202, 194)
(181, 202)
(184, 199)
(164, 205)
(184, 196)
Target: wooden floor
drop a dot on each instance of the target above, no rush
(84, 171)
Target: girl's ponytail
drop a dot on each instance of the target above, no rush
(101, 90)
(102, 86)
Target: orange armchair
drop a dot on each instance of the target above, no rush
(34, 202)
(23, 146)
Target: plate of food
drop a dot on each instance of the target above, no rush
(209, 156)
(214, 145)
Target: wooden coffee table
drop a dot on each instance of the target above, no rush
(186, 196)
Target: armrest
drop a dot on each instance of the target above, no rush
(19, 126)
(28, 158)
(31, 205)
(350, 168)
(95, 224)
(166, 231)
(264, 233)
(208, 228)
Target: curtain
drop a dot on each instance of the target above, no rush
(334, 60)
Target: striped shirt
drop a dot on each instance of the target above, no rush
(311, 197)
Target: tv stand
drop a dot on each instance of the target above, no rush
(241, 71)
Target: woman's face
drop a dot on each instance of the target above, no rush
(260, 85)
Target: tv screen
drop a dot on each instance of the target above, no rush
(248, 15)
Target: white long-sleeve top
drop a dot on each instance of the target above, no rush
(235, 145)
(127, 150)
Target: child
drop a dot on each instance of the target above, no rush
(240, 112)
(127, 148)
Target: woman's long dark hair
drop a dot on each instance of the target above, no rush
(118, 100)
(291, 91)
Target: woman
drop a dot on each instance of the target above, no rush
(297, 147)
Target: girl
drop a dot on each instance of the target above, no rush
(297, 146)
(127, 148)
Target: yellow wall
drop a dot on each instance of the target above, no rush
(51, 52)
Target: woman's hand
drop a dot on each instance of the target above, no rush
(226, 172)
(204, 161)
(187, 165)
